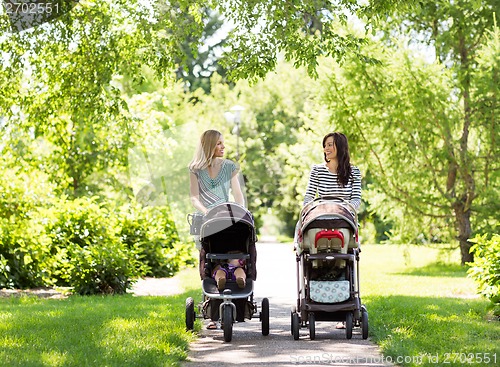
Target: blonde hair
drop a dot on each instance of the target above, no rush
(204, 154)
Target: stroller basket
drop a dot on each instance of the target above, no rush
(329, 291)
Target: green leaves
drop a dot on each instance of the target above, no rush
(301, 31)
(399, 118)
(90, 246)
(485, 269)
(73, 106)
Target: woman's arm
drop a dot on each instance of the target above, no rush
(355, 199)
(195, 193)
(236, 188)
(312, 186)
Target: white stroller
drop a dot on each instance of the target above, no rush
(327, 253)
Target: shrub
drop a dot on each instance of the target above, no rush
(83, 243)
(101, 268)
(92, 258)
(485, 269)
(151, 234)
(25, 259)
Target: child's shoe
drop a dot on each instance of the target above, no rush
(221, 284)
(241, 282)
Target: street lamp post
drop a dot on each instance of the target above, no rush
(234, 116)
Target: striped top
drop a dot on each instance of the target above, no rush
(215, 191)
(323, 182)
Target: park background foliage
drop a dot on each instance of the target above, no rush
(100, 111)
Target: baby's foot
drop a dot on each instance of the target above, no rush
(221, 283)
(241, 282)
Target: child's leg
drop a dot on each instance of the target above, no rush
(240, 276)
(220, 278)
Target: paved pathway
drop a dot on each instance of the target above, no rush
(276, 280)
(157, 286)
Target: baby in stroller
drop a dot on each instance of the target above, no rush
(233, 269)
(228, 246)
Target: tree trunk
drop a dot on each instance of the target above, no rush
(75, 185)
(463, 205)
(462, 220)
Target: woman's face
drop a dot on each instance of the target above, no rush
(219, 148)
(330, 149)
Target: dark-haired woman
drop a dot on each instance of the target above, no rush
(336, 177)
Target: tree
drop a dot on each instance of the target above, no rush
(457, 31)
(61, 78)
(66, 95)
(301, 31)
(428, 131)
(201, 64)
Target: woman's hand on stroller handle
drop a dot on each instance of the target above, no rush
(331, 198)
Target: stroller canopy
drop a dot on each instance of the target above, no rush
(227, 227)
(327, 214)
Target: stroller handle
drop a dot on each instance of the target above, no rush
(231, 203)
(211, 256)
(337, 199)
(310, 205)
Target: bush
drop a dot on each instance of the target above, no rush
(92, 258)
(151, 234)
(84, 243)
(485, 269)
(25, 258)
(101, 268)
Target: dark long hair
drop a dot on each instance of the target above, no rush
(344, 170)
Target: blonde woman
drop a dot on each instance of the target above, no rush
(211, 176)
(211, 179)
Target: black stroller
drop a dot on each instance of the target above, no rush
(227, 232)
(327, 253)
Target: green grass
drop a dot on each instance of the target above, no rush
(423, 310)
(96, 330)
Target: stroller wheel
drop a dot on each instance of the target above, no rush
(190, 315)
(312, 326)
(348, 325)
(264, 316)
(295, 325)
(364, 323)
(227, 321)
(292, 311)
